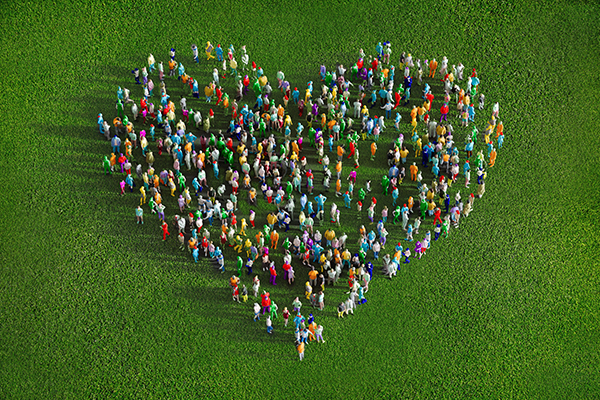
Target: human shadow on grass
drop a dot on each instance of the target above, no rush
(217, 311)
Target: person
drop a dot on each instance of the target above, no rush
(266, 302)
(165, 229)
(256, 312)
(312, 275)
(298, 320)
(307, 290)
(321, 297)
(319, 334)
(139, 215)
(273, 273)
(255, 285)
(297, 305)
(286, 316)
(300, 348)
(274, 309)
(236, 293)
(269, 325)
(341, 310)
(244, 293)
(305, 333)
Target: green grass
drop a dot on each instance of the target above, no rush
(94, 306)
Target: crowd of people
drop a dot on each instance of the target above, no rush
(263, 149)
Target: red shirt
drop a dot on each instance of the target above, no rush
(429, 97)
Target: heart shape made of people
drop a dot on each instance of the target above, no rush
(266, 178)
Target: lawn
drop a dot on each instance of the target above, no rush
(94, 306)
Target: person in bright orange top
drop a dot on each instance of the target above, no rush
(274, 240)
(493, 155)
(413, 172)
(338, 168)
(295, 148)
(413, 113)
(340, 152)
(258, 239)
(312, 276)
(373, 150)
(300, 348)
(172, 65)
(499, 129)
(113, 161)
(311, 328)
(331, 124)
(323, 120)
(432, 68)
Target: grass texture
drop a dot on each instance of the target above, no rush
(93, 306)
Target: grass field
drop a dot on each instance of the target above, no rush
(93, 306)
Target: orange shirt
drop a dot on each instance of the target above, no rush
(413, 113)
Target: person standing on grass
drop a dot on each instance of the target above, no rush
(165, 229)
(256, 312)
(319, 334)
(269, 325)
(300, 349)
(286, 316)
(255, 286)
(244, 293)
(139, 215)
(274, 309)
